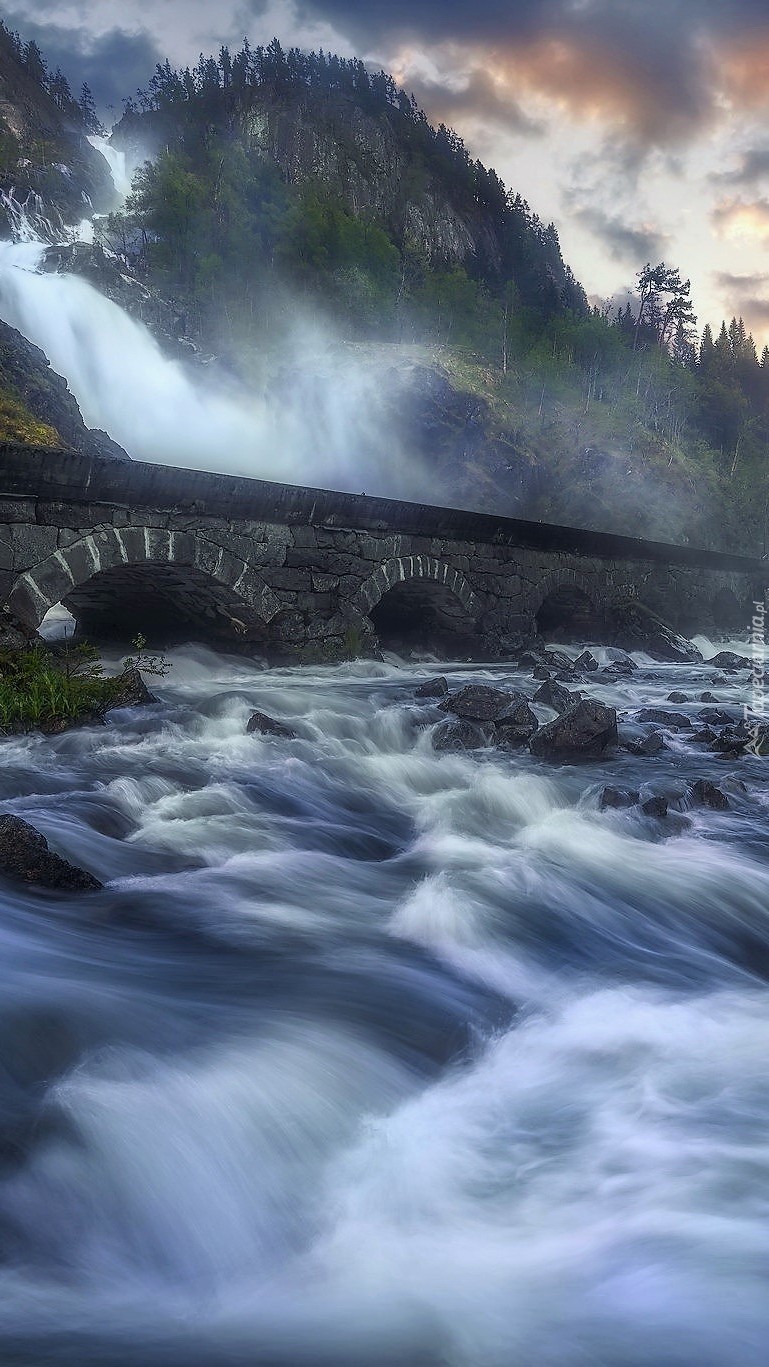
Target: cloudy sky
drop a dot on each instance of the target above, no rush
(641, 127)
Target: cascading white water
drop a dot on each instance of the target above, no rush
(330, 428)
(373, 1055)
(117, 162)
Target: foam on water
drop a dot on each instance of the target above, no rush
(372, 1054)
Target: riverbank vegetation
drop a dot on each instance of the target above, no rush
(49, 689)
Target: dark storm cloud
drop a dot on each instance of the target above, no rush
(113, 64)
(622, 241)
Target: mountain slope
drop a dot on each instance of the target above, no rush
(44, 148)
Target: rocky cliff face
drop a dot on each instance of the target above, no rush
(372, 163)
(36, 406)
(45, 156)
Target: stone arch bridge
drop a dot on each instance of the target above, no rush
(315, 574)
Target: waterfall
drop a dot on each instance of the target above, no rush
(331, 428)
(117, 162)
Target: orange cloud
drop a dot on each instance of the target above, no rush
(598, 81)
(738, 218)
(744, 71)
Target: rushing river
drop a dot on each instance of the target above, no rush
(370, 1055)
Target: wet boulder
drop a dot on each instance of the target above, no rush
(586, 731)
(674, 721)
(678, 697)
(650, 744)
(260, 724)
(517, 726)
(26, 857)
(479, 702)
(611, 799)
(130, 690)
(586, 661)
(432, 688)
(552, 694)
(708, 697)
(460, 734)
(636, 627)
(729, 660)
(655, 806)
(707, 794)
(716, 716)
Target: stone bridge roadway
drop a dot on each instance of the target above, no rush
(312, 573)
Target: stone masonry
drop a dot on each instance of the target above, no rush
(303, 572)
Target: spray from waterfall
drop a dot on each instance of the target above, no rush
(329, 427)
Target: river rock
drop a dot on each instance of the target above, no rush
(708, 794)
(586, 731)
(729, 660)
(650, 744)
(708, 697)
(674, 721)
(678, 697)
(655, 806)
(131, 690)
(716, 716)
(432, 688)
(259, 723)
(479, 702)
(25, 856)
(551, 694)
(616, 798)
(636, 627)
(517, 726)
(460, 734)
(586, 661)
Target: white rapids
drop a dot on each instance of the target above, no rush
(369, 1054)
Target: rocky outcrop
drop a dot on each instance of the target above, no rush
(45, 156)
(432, 688)
(516, 727)
(586, 731)
(635, 627)
(26, 857)
(26, 373)
(261, 724)
(479, 702)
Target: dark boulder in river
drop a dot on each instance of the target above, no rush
(586, 731)
(729, 660)
(708, 794)
(432, 688)
(636, 627)
(259, 723)
(516, 727)
(25, 856)
(460, 734)
(130, 690)
(478, 702)
(552, 694)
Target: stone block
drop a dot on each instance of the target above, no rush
(31, 544)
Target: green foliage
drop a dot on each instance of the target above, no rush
(18, 424)
(42, 689)
(145, 662)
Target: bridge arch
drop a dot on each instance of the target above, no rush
(566, 603)
(418, 593)
(121, 566)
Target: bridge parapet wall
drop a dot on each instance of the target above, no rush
(308, 580)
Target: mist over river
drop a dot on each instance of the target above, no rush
(368, 1054)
